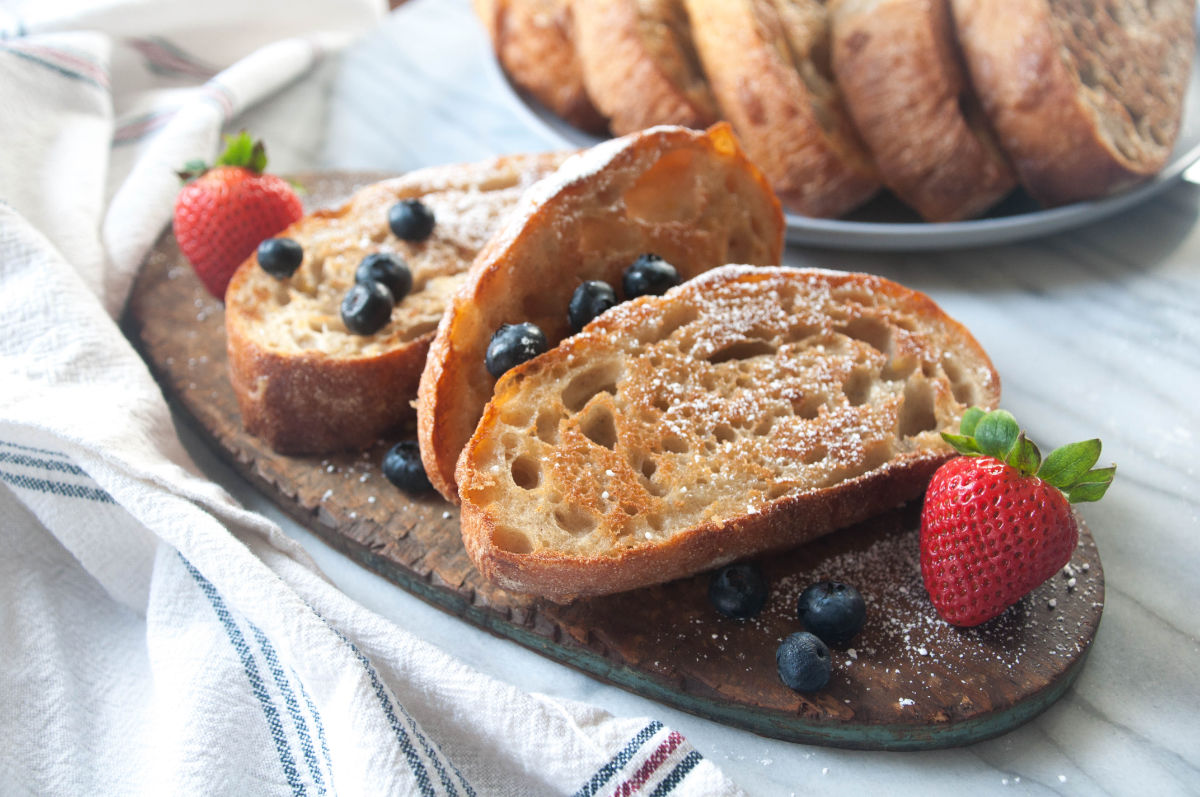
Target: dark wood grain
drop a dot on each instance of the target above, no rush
(909, 681)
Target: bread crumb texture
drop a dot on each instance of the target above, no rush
(736, 390)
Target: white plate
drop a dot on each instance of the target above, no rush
(885, 224)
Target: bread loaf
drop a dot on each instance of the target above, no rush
(691, 197)
(639, 64)
(1086, 97)
(901, 75)
(534, 44)
(303, 382)
(768, 64)
(747, 410)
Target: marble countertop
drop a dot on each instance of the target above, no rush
(1095, 332)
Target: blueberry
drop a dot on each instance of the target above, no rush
(411, 220)
(649, 275)
(389, 269)
(833, 611)
(280, 257)
(803, 661)
(513, 344)
(367, 308)
(403, 467)
(590, 299)
(738, 591)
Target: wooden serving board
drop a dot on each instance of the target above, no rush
(910, 680)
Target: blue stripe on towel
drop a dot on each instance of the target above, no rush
(270, 712)
(293, 706)
(31, 449)
(27, 461)
(605, 773)
(56, 487)
(316, 717)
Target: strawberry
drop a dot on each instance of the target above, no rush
(223, 212)
(997, 521)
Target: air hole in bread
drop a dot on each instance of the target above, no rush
(808, 406)
(547, 427)
(580, 390)
(574, 519)
(858, 387)
(724, 433)
(516, 415)
(960, 387)
(778, 490)
(674, 443)
(916, 413)
(764, 425)
(629, 509)
(814, 454)
(673, 320)
(600, 427)
(872, 331)
(666, 192)
(511, 540)
(526, 472)
(655, 521)
(742, 350)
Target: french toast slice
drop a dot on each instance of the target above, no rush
(767, 62)
(1086, 97)
(640, 66)
(535, 45)
(691, 197)
(307, 385)
(748, 410)
(905, 86)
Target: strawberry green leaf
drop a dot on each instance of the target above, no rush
(192, 169)
(996, 433)
(1092, 486)
(970, 420)
(1066, 465)
(963, 444)
(1024, 456)
(242, 150)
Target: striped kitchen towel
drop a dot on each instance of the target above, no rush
(158, 638)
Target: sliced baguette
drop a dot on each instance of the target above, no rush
(303, 382)
(690, 196)
(1086, 97)
(745, 411)
(901, 75)
(768, 64)
(639, 64)
(534, 44)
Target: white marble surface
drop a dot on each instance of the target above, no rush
(1095, 332)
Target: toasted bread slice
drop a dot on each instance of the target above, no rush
(768, 64)
(1085, 97)
(691, 197)
(902, 78)
(303, 382)
(534, 44)
(745, 411)
(639, 64)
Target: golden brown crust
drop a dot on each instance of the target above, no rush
(901, 75)
(745, 411)
(1085, 101)
(639, 64)
(691, 197)
(534, 44)
(767, 63)
(306, 385)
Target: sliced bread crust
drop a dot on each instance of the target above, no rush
(768, 64)
(745, 411)
(900, 72)
(303, 382)
(690, 196)
(640, 66)
(1086, 97)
